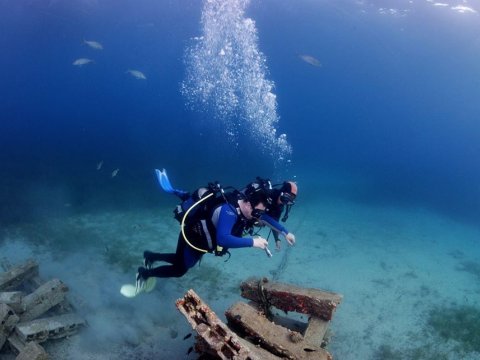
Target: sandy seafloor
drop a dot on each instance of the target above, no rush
(395, 267)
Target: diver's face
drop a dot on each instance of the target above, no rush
(246, 208)
(287, 198)
(258, 211)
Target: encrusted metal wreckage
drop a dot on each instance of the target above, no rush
(33, 311)
(256, 331)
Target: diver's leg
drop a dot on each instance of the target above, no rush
(165, 271)
(150, 257)
(184, 259)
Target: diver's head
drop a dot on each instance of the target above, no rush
(258, 192)
(288, 193)
(249, 211)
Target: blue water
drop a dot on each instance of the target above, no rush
(389, 118)
(395, 100)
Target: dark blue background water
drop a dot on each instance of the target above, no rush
(394, 105)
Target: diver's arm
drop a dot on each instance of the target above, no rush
(226, 220)
(276, 226)
(273, 224)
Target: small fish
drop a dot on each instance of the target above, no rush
(187, 336)
(310, 60)
(93, 44)
(82, 61)
(137, 74)
(115, 172)
(190, 349)
(99, 165)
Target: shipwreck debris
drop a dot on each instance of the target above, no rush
(215, 334)
(254, 332)
(33, 311)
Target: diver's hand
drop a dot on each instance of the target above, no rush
(290, 238)
(260, 242)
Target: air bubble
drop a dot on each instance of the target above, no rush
(227, 73)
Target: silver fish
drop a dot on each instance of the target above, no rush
(99, 165)
(82, 61)
(310, 60)
(115, 172)
(93, 44)
(137, 74)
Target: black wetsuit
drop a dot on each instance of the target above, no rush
(275, 210)
(228, 234)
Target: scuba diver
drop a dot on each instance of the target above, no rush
(211, 221)
(280, 198)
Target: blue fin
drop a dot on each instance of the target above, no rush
(163, 180)
(166, 185)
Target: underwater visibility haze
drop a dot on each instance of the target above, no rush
(372, 107)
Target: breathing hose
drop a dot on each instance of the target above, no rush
(183, 223)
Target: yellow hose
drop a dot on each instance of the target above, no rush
(183, 223)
